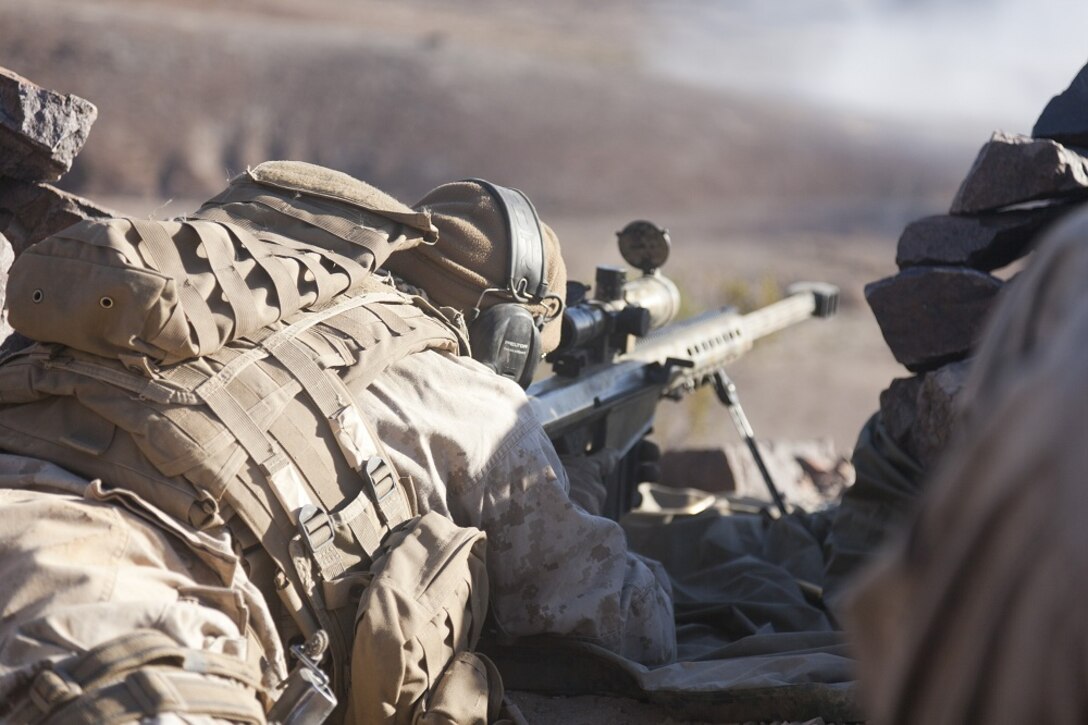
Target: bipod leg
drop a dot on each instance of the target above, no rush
(727, 393)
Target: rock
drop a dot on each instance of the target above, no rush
(899, 409)
(1014, 169)
(1065, 118)
(921, 412)
(31, 212)
(932, 315)
(985, 242)
(40, 131)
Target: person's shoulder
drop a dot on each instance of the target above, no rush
(460, 375)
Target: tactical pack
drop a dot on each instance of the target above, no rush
(211, 366)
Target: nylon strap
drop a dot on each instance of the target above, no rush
(85, 687)
(359, 447)
(270, 243)
(356, 272)
(335, 224)
(327, 288)
(156, 691)
(216, 242)
(135, 649)
(286, 289)
(161, 253)
(142, 386)
(283, 477)
(285, 480)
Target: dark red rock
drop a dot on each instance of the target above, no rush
(985, 242)
(930, 316)
(1012, 170)
(31, 212)
(921, 412)
(41, 131)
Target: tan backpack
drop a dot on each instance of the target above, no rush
(218, 382)
(296, 236)
(417, 624)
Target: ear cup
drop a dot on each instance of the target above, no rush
(506, 339)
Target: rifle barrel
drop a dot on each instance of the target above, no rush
(708, 342)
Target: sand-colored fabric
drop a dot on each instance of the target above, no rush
(419, 619)
(306, 178)
(472, 255)
(82, 571)
(482, 458)
(976, 615)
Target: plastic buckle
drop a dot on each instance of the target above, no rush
(379, 476)
(317, 531)
(49, 690)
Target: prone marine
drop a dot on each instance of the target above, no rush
(232, 423)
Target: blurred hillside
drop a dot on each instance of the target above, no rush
(565, 100)
(553, 97)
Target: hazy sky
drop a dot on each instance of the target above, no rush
(975, 65)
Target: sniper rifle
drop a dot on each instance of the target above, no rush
(621, 353)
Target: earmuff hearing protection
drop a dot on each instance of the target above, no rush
(506, 336)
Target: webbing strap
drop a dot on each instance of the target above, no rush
(155, 691)
(335, 224)
(285, 480)
(216, 242)
(331, 397)
(327, 288)
(305, 321)
(93, 685)
(355, 271)
(361, 450)
(286, 288)
(135, 649)
(161, 253)
(142, 386)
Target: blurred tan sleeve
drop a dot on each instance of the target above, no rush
(105, 617)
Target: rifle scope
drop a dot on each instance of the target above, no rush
(594, 330)
(629, 307)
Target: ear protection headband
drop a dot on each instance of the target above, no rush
(506, 336)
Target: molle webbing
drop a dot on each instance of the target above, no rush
(215, 437)
(322, 192)
(171, 291)
(141, 674)
(367, 239)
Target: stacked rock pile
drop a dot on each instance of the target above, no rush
(932, 312)
(40, 134)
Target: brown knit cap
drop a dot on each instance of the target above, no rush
(473, 254)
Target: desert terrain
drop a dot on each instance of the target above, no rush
(563, 100)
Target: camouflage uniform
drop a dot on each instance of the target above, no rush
(478, 456)
(84, 566)
(481, 457)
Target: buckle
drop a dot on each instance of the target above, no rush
(49, 690)
(317, 531)
(383, 484)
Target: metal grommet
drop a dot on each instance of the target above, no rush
(37, 296)
(106, 302)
